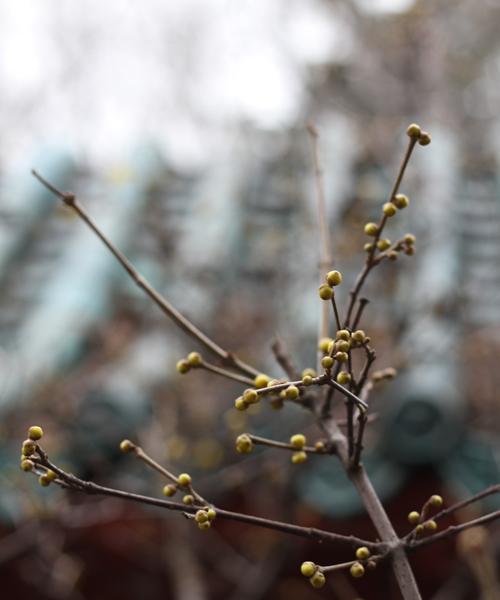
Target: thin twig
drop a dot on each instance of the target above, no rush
(283, 445)
(225, 373)
(168, 309)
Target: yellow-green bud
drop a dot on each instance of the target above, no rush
(29, 447)
(308, 568)
(201, 516)
(430, 525)
(331, 346)
(35, 432)
(298, 441)
(250, 396)
(414, 517)
(389, 373)
(419, 529)
(424, 139)
(409, 239)
(261, 380)
(371, 229)
(182, 366)
(383, 244)
(194, 359)
(325, 292)
(413, 130)
(410, 250)
(169, 490)
(327, 362)
(184, 479)
(43, 480)
(357, 570)
(343, 346)
(389, 209)
(244, 444)
(392, 255)
(318, 580)
(188, 499)
(334, 278)
(343, 377)
(368, 247)
(359, 336)
(51, 475)
(309, 371)
(126, 446)
(307, 380)
(212, 514)
(204, 526)
(343, 334)
(319, 446)
(323, 344)
(292, 392)
(240, 403)
(362, 553)
(436, 501)
(341, 356)
(27, 465)
(401, 201)
(299, 457)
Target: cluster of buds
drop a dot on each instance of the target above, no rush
(204, 518)
(314, 573)
(420, 519)
(29, 451)
(333, 278)
(192, 360)
(298, 441)
(415, 132)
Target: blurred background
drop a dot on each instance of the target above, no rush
(181, 126)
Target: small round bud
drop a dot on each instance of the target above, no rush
(126, 446)
(184, 479)
(359, 336)
(409, 239)
(372, 564)
(244, 444)
(343, 377)
(250, 396)
(343, 346)
(299, 458)
(401, 201)
(188, 499)
(414, 517)
(240, 403)
(389, 373)
(383, 244)
(308, 568)
(307, 380)
(212, 514)
(343, 334)
(327, 362)
(413, 130)
(292, 392)
(309, 371)
(51, 475)
(194, 359)
(368, 247)
(371, 229)
(169, 490)
(318, 580)
(325, 292)
(436, 501)
(362, 553)
(389, 209)
(430, 525)
(182, 366)
(204, 526)
(331, 346)
(35, 432)
(28, 448)
(410, 250)
(27, 465)
(424, 139)
(419, 529)
(392, 255)
(261, 381)
(334, 278)
(320, 446)
(273, 382)
(43, 480)
(357, 570)
(201, 516)
(324, 343)
(298, 441)
(342, 356)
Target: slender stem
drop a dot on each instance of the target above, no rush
(225, 373)
(168, 309)
(356, 399)
(284, 359)
(361, 307)
(358, 446)
(283, 445)
(336, 313)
